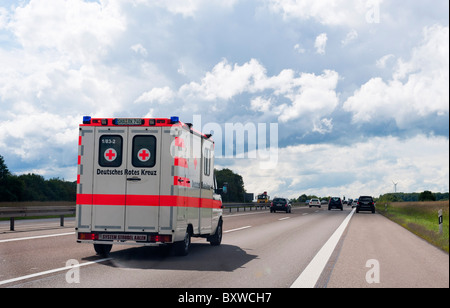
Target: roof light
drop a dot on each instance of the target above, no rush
(174, 120)
(86, 120)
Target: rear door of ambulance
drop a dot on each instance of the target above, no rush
(126, 179)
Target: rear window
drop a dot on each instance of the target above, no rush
(365, 198)
(279, 200)
(110, 151)
(144, 151)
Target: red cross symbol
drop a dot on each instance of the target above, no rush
(110, 154)
(144, 155)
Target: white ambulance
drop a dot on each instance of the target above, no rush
(145, 182)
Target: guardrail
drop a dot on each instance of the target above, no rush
(32, 211)
(36, 211)
(245, 206)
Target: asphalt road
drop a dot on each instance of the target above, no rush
(259, 250)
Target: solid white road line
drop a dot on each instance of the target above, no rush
(66, 268)
(35, 237)
(308, 278)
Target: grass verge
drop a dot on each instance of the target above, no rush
(421, 218)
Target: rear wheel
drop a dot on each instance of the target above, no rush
(182, 247)
(102, 250)
(216, 239)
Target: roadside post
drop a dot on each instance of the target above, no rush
(440, 221)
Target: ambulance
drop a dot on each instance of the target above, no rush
(148, 182)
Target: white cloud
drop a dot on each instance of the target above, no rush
(306, 95)
(419, 163)
(327, 12)
(81, 31)
(323, 126)
(321, 43)
(418, 88)
(188, 8)
(161, 95)
(381, 63)
(260, 104)
(315, 97)
(225, 81)
(351, 36)
(139, 49)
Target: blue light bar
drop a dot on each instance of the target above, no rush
(174, 120)
(86, 120)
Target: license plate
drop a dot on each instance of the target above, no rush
(122, 237)
(128, 122)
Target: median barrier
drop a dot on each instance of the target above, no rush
(33, 211)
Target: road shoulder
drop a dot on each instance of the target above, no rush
(377, 252)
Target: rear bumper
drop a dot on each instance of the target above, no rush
(279, 208)
(123, 238)
(370, 208)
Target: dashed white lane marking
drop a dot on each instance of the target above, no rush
(237, 229)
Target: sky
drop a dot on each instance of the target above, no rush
(333, 97)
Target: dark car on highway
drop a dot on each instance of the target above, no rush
(280, 204)
(365, 203)
(335, 203)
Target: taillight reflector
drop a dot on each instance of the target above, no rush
(88, 236)
(161, 238)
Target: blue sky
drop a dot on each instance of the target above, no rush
(358, 88)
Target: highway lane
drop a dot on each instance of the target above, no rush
(259, 249)
(262, 250)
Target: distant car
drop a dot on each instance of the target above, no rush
(314, 202)
(335, 203)
(349, 202)
(355, 203)
(365, 203)
(280, 204)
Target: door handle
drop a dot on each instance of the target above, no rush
(134, 179)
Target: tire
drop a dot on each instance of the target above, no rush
(182, 247)
(216, 239)
(102, 250)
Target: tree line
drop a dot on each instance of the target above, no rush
(33, 187)
(392, 197)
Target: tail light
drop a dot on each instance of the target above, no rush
(88, 236)
(161, 238)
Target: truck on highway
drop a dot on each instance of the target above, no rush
(145, 181)
(263, 198)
